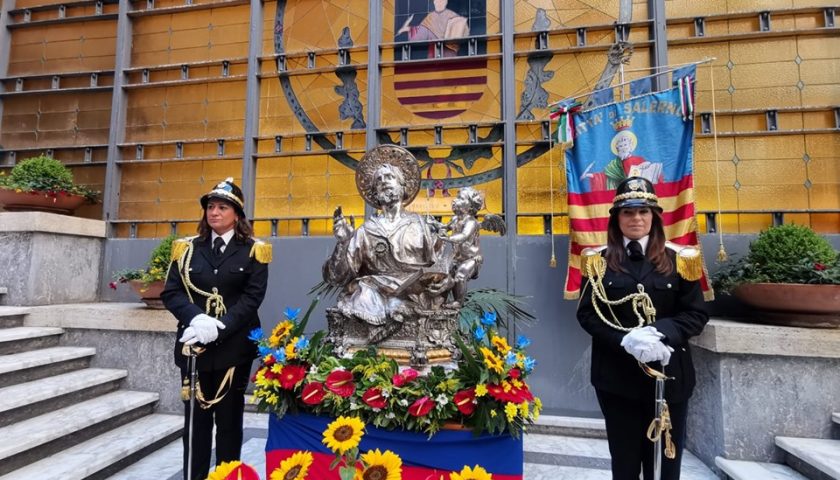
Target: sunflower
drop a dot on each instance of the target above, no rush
(294, 467)
(467, 473)
(280, 332)
(492, 361)
(501, 344)
(380, 466)
(343, 434)
(223, 469)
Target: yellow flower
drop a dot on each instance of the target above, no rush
(480, 390)
(501, 344)
(277, 368)
(294, 467)
(467, 473)
(510, 411)
(523, 409)
(380, 466)
(223, 470)
(290, 349)
(492, 361)
(537, 408)
(280, 332)
(343, 434)
(493, 413)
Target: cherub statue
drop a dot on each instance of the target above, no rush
(465, 229)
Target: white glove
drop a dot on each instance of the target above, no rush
(205, 329)
(640, 340)
(189, 336)
(659, 352)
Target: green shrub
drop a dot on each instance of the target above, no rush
(44, 174)
(156, 267)
(783, 254)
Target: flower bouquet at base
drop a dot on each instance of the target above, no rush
(487, 392)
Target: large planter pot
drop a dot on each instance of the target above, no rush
(793, 304)
(14, 201)
(149, 295)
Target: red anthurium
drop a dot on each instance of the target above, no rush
(340, 382)
(398, 380)
(514, 373)
(313, 393)
(409, 374)
(373, 397)
(421, 407)
(465, 401)
(292, 375)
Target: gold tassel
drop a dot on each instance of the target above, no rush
(553, 262)
(690, 264)
(722, 256)
(179, 248)
(261, 251)
(591, 256)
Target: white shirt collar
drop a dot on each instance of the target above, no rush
(642, 241)
(227, 236)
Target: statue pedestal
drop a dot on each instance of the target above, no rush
(420, 341)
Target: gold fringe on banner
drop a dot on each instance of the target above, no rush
(261, 251)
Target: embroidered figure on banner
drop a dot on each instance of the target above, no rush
(625, 163)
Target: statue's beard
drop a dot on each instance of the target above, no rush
(388, 197)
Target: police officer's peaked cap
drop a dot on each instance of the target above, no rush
(226, 190)
(635, 192)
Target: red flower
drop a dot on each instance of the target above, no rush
(410, 374)
(373, 397)
(340, 382)
(269, 375)
(292, 375)
(465, 401)
(113, 285)
(819, 267)
(514, 373)
(313, 393)
(398, 380)
(421, 407)
(269, 360)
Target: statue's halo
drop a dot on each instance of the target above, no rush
(396, 156)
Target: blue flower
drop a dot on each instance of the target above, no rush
(302, 343)
(279, 355)
(489, 318)
(479, 333)
(530, 363)
(263, 350)
(522, 341)
(255, 335)
(291, 313)
(510, 358)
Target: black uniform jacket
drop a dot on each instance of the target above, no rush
(680, 315)
(241, 280)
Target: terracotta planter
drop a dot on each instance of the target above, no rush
(13, 201)
(151, 294)
(793, 304)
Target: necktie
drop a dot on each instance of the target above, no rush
(218, 243)
(635, 250)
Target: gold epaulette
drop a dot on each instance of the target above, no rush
(180, 247)
(689, 261)
(591, 258)
(261, 251)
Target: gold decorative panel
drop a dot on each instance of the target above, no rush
(71, 47)
(312, 25)
(562, 13)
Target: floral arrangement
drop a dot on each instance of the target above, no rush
(155, 270)
(43, 175)
(783, 254)
(234, 470)
(487, 392)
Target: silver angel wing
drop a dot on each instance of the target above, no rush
(494, 223)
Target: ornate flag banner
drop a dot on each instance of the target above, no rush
(646, 136)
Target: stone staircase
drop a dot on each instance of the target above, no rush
(805, 458)
(62, 419)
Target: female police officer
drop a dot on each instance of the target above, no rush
(636, 259)
(214, 288)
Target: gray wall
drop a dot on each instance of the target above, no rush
(560, 346)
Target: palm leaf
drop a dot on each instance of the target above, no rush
(508, 308)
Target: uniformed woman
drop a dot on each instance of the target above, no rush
(637, 259)
(216, 283)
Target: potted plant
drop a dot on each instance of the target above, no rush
(148, 282)
(790, 274)
(42, 183)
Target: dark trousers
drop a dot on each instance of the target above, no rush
(627, 423)
(227, 415)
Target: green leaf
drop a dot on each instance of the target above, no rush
(300, 327)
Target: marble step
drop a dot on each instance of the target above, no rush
(35, 364)
(744, 470)
(163, 463)
(107, 452)
(26, 400)
(12, 316)
(31, 440)
(569, 426)
(22, 339)
(813, 457)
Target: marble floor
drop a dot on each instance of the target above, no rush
(547, 457)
